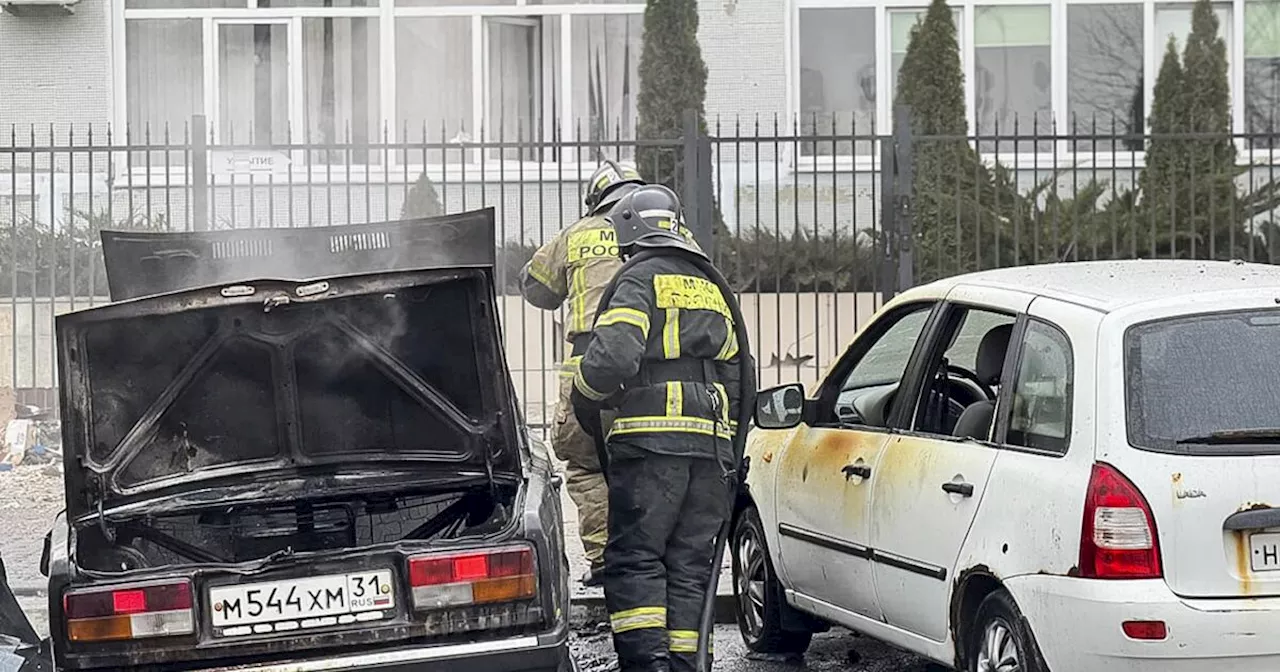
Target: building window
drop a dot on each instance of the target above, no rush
(164, 78)
(253, 83)
(901, 21)
(340, 86)
(183, 4)
(521, 75)
(434, 86)
(1013, 78)
(1174, 20)
(837, 79)
(606, 79)
(1105, 96)
(314, 77)
(1262, 72)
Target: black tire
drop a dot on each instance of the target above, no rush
(1000, 635)
(760, 608)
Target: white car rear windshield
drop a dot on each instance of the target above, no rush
(1205, 384)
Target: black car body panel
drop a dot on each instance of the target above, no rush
(539, 522)
(200, 400)
(21, 649)
(139, 263)
(167, 391)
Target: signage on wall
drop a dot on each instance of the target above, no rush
(248, 162)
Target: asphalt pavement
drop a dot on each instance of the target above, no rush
(835, 650)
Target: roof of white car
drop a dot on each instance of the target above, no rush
(1108, 285)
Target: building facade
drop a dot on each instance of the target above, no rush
(335, 71)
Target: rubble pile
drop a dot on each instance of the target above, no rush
(32, 437)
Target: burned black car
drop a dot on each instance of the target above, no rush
(326, 473)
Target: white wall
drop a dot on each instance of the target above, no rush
(56, 69)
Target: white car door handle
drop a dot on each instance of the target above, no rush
(962, 489)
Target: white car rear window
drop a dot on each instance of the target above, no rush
(1205, 384)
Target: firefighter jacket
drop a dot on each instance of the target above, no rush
(576, 265)
(665, 353)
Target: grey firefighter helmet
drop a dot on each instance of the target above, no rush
(608, 184)
(650, 216)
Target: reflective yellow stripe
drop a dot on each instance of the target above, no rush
(579, 308)
(569, 367)
(671, 335)
(638, 618)
(682, 424)
(730, 347)
(684, 641)
(586, 390)
(541, 273)
(636, 318)
(724, 402)
(675, 398)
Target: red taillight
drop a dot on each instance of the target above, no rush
(129, 612)
(472, 577)
(1118, 539)
(1145, 630)
(129, 601)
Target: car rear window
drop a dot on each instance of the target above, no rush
(1202, 376)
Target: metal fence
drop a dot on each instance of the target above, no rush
(815, 224)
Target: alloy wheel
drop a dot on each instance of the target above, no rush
(751, 579)
(999, 652)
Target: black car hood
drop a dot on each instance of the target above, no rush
(259, 379)
(139, 263)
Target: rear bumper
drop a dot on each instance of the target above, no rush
(1077, 623)
(546, 653)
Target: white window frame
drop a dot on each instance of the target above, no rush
(1152, 55)
(386, 12)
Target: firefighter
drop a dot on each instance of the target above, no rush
(577, 265)
(664, 358)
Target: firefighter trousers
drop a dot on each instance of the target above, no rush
(584, 478)
(664, 512)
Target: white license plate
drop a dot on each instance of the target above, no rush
(279, 606)
(1264, 551)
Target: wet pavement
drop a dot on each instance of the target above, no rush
(835, 650)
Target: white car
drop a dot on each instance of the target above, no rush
(1066, 467)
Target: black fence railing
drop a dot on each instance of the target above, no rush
(814, 225)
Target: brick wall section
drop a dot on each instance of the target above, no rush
(56, 69)
(744, 45)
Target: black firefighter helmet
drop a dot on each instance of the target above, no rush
(650, 216)
(608, 184)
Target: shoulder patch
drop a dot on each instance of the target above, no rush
(592, 244)
(688, 293)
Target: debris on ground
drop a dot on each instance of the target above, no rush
(783, 658)
(31, 441)
(592, 652)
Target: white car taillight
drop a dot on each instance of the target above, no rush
(131, 611)
(1118, 539)
(467, 578)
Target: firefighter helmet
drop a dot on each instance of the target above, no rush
(651, 216)
(608, 184)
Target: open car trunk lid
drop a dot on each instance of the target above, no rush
(185, 391)
(1202, 395)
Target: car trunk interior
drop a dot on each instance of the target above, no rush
(251, 532)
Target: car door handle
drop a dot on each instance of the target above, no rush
(859, 470)
(962, 489)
